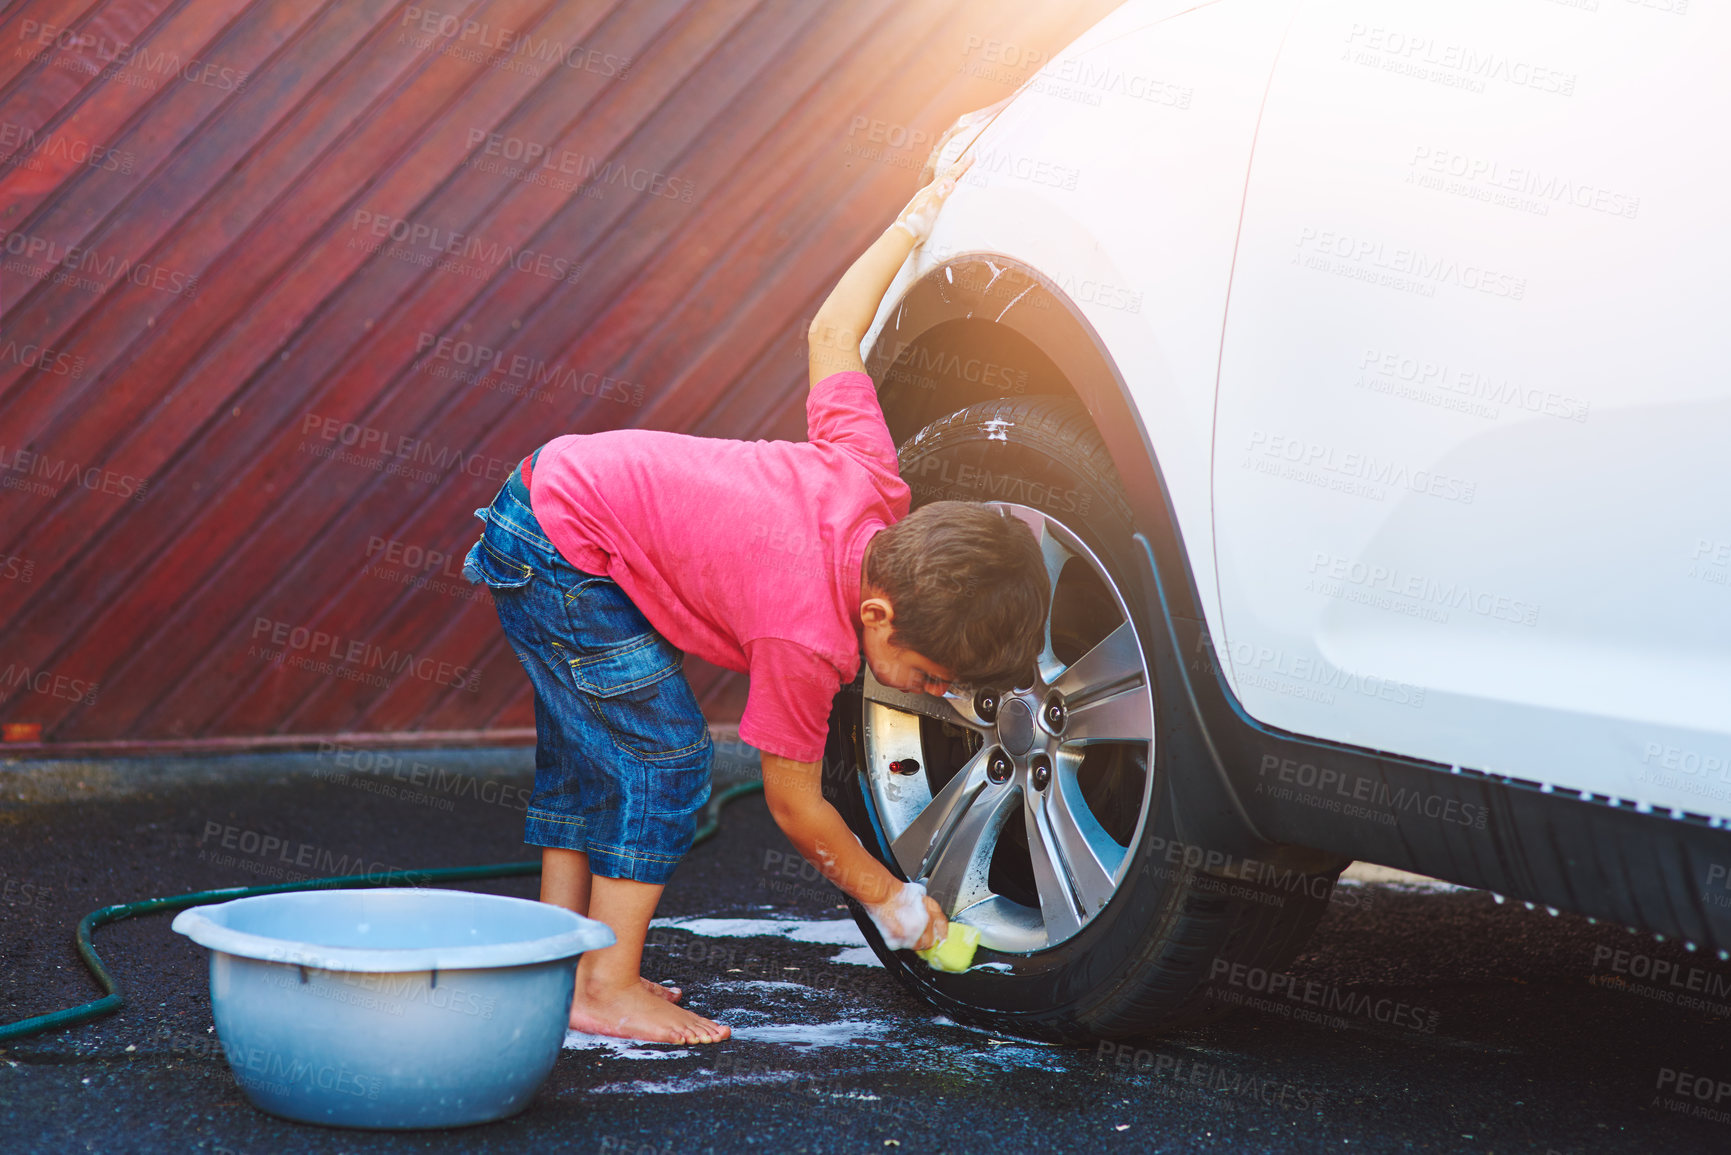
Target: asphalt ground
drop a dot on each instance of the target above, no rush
(1520, 1031)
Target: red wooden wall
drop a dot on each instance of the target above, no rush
(286, 285)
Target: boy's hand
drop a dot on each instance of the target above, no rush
(937, 926)
(909, 919)
(921, 213)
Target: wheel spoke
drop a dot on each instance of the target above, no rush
(1122, 717)
(1056, 554)
(1114, 664)
(959, 869)
(1087, 854)
(1057, 904)
(926, 835)
(929, 705)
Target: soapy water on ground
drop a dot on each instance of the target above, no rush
(686, 1085)
(619, 1048)
(762, 985)
(775, 1021)
(864, 956)
(841, 1034)
(827, 931)
(818, 932)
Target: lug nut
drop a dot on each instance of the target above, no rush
(1042, 771)
(999, 768)
(986, 705)
(1054, 714)
(905, 766)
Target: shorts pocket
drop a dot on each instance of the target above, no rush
(641, 694)
(488, 565)
(677, 790)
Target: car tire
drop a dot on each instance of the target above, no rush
(1142, 962)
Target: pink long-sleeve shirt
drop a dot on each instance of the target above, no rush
(745, 553)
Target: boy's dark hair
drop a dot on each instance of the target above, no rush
(969, 589)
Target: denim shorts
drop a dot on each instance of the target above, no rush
(622, 753)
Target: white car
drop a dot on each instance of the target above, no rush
(1365, 372)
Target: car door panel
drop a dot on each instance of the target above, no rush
(1470, 492)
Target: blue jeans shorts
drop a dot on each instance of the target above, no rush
(622, 753)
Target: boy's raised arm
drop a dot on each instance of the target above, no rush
(842, 320)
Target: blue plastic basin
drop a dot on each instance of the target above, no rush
(391, 1008)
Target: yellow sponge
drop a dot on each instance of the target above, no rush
(956, 953)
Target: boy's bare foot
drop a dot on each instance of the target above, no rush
(671, 994)
(632, 1012)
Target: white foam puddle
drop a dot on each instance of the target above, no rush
(620, 1048)
(1008, 1054)
(859, 956)
(825, 932)
(687, 1085)
(993, 1036)
(1026, 1058)
(842, 1034)
(763, 985)
(738, 1016)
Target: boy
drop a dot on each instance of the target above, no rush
(612, 553)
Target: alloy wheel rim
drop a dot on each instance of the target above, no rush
(951, 775)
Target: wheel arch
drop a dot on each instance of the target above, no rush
(979, 298)
(974, 298)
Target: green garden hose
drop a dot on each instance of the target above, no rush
(114, 1000)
